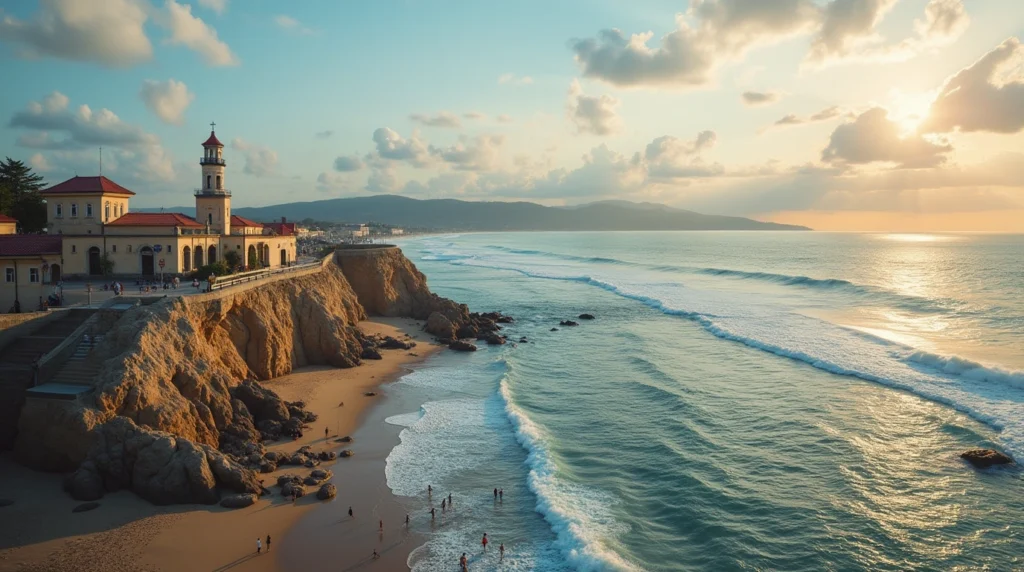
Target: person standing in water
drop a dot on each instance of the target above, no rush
(501, 549)
(431, 514)
(442, 505)
(449, 500)
(484, 542)
(495, 494)
(463, 563)
(430, 490)
(501, 495)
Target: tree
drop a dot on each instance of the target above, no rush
(233, 259)
(106, 265)
(19, 195)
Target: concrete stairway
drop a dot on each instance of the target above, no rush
(79, 369)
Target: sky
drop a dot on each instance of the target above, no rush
(893, 115)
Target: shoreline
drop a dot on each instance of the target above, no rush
(128, 533)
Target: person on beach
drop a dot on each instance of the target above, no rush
(501, 495)
(382, 526)
(407, 520)
(484, 542)
(495, 493)
(268, 543)
(464, 563)
(350, 512)
(501, 549)
(325, 432)
(376, 555)
(430, 490)
(449, 500)
(442, 505)
(259, 545)
(431, 514)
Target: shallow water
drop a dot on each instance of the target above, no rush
(701, 422)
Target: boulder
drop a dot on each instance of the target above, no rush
(467, 331)
(293, 488)
(554, 329)
(586, 316)
(327, 492)
(461, 346)
(439, 325)
(238, 501)
(984, 458)
(321, 474)
(370, 394)
(390, 343)
(495, 340)
(85, 484)
(282, 480)
(568, 323)
(267, 466)
(274, 456)
(86, 507)
(311, 462)
(345, 439)
(345, 453)
(260, 401)
(371, 353)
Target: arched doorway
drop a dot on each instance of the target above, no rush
(211, 257)
(284, 257)
(250, 259)
(95, 268)
(198, 257)
(55, 273)
(147, 261)
(266, 255)
(186, 259)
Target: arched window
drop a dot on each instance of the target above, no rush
(88, 210)
(209, 218)
(209, 180)
(106, 211)
(74, 210)
(186, 257)
(218, 182)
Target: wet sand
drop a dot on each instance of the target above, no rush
(40, 533)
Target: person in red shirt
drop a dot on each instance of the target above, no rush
(484, 542)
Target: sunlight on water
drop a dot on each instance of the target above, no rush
(918, 237)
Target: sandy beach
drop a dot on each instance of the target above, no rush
(40, 533)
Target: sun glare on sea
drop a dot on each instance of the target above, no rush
(915, 237)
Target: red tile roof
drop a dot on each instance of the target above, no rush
(241, 221)
(155, 219)
(87, 185)
(212, 141)
(29, 244)
(5, 218)
(281, 228)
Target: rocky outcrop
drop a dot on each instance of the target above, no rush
(568, 323)
(461, 346)
(586, 316)
(173, 365)
(984, 458)
(238, 501)
(327, 492)
(157, 466)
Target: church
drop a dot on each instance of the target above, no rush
(92, 232)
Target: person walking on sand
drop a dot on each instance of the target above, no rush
(382, 526)
(484, 542)
(350, 512)
(463, 563)
(501, 549)
(268, 543)
(407, 520)
(325, 432)
(259, 545)
(376, 555)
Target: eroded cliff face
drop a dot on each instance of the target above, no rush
(172, 366)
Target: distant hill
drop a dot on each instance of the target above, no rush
(451, 214)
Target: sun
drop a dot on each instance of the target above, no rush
(909, 110)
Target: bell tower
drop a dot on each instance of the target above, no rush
(213, 200)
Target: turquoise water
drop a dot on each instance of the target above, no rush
(743, 401)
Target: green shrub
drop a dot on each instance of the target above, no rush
(219, 268)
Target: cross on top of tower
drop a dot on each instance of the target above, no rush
(213, 126)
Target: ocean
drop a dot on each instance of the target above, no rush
(742, 401)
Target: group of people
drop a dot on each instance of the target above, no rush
(259, 544)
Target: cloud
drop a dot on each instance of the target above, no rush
(474, 115)
(873, 137)
(687, 56)
(982, 97)
(760, 98)
(292, 25)
(849, 31)
(190, 31)
(260, 161)
(477, 154)
(669, 157)
(513, 79)
(167, 99)
(442, 119)
(218, 6)
(390, 145)
(591, 113)
(823, 115)
(504, 118)
(324, 134)
(110, 33)
(39, 163)
(81, 128)
(348, 163)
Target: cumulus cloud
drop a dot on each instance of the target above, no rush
(723, 30)
(390, 145)
(594, 114)
(823, 115)
(513, 79)
(192, 32)
(348, 163)
(477, 154)
(167, 99)
(987, 96)
(81, 127)
(110, 33)
(848, 25)
(324, 134)
(260, 161)
(759, 98)
(39, 163)
(872, 137)
(292, 25)
(218, 6)
(442, 119)
(669, 157)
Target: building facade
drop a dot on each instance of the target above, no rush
(93, 233)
